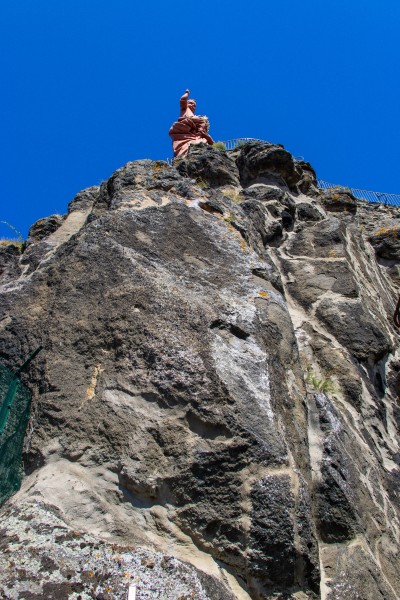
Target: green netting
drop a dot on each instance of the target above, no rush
(13, 434)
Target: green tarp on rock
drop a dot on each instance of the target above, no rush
(13, 434)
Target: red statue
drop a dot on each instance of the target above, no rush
(189, 129)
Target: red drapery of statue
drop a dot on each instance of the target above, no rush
(189, 128)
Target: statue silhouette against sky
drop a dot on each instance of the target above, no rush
(189, 128)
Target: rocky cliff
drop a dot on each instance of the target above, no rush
(216, 408)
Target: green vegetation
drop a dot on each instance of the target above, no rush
(219, 146)
(241, 143)
(10, 242)
(323, 384)
(233, 195)
(229, 218)
(201, 183)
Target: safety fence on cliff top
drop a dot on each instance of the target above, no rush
(367, 195)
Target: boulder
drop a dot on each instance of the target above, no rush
(264, 162)
(10, 253)
(386, 242)
(43, 228)
(208, 165)
(339, 200)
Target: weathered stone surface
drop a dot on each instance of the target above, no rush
(333, 362)
(386, 242)
(308, 180)
(307, 282)
(44, 227)
(337, 518)
(208, 164)
(270, 194)
(79, 564)
(271, 530)
(380, 225)
(339, 200)
(354, 329)
(269, 228)
(9, 261)
(84, 200)
(308, 212)
(324, 240)
(219, 383)
(262, 162)
(360, 576)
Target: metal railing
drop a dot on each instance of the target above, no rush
(231, 144)
(367, 195)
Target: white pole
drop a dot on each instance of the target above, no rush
(132, 592)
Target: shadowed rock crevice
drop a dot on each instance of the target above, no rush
(233, 329)
(207, 429)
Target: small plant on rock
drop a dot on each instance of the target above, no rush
(233, 195)
(229, 218)
(241, 143)
(201, 182)
(323, 384)
(9, 242)
(219, 146)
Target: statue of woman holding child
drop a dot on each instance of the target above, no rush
(189, 128)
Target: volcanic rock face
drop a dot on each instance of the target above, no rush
(219, 384)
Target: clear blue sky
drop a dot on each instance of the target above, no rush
(88, 85)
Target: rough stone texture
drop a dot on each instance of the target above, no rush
(219, 383)
(208, 165)
(386, 241)
(44, 227)
(263, 162)
(84, 200)
(10, 253)
(381, 225)
(308, 212)
(82, 566)
(308, 179)
(339, 200)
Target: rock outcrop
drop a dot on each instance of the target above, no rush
(216, 407)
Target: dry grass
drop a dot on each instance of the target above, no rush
(219, 145)
(10, 242)
(202, 183)
(233, 195)
(387, 232)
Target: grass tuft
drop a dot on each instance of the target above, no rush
(233, 195)
(323, 384)
(10, 242)
(202, 183)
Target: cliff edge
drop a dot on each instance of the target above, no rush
(216, 406)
